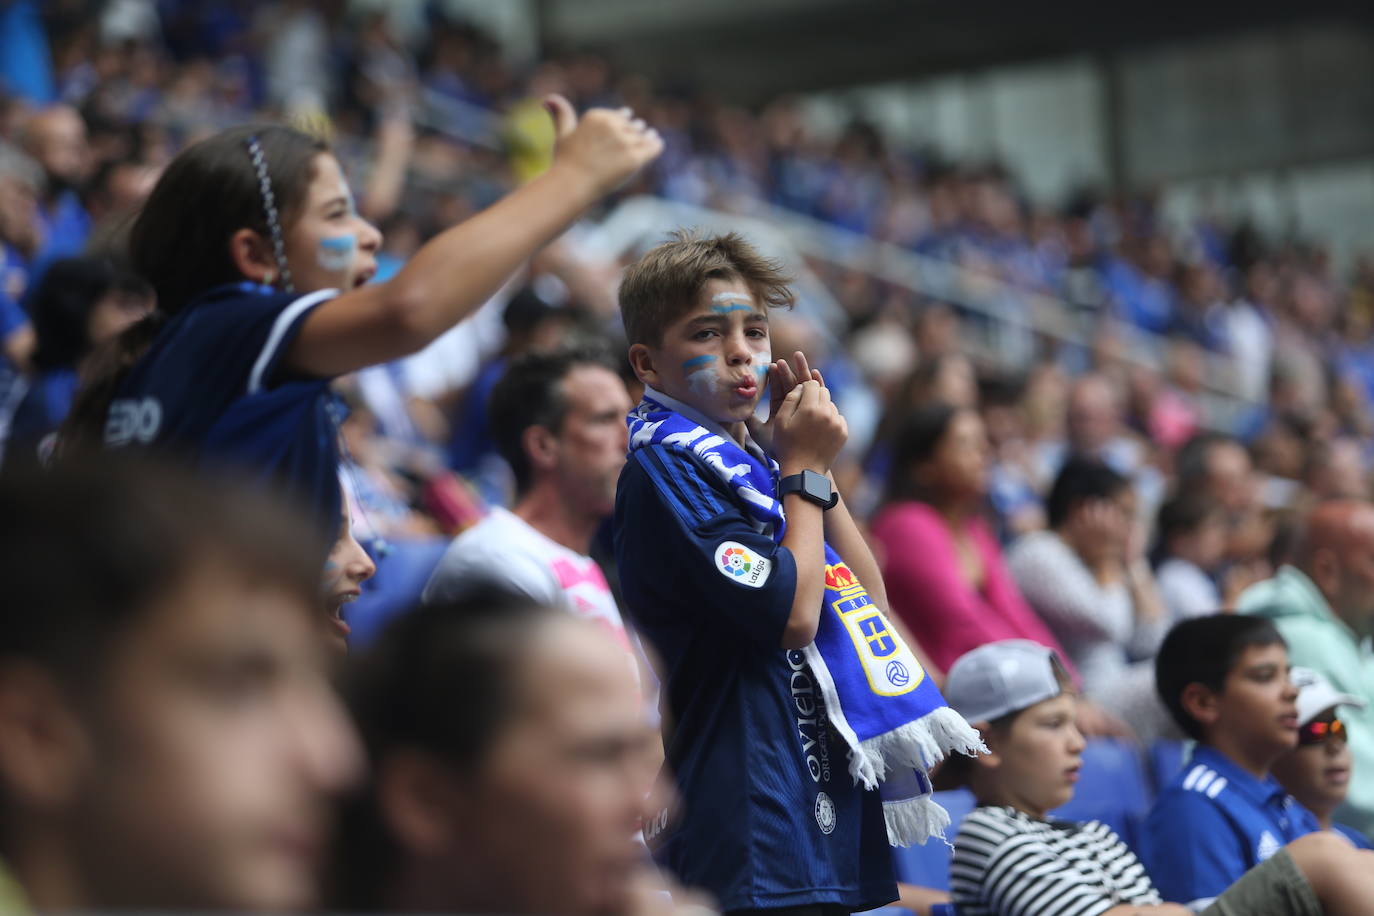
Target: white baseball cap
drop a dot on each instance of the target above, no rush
(1000, 678)
(1316, 694)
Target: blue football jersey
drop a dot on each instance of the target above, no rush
(1213, 823)
(211, 389)
(768, 815)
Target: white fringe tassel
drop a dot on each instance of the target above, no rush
(918, 745)
(914, 820)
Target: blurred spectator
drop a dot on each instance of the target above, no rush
(559, 421)
(945, 576)
(1192, 541)
(532, 325)
(1336, 470)
(1088, 579)
(1323, 604)
(56, 138)
(78, 305)
(1318, 771)
(511, 767)
(169, 738)
(21, 183)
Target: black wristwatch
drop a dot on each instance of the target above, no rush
(811, 486)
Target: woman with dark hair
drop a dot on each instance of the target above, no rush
(1087, 577)
(946, 578)
(261, 264)
(511, 765)
(79, 305)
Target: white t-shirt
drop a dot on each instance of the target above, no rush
(504, 550)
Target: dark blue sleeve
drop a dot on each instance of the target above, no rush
(684, 547)
(278, 335)
(1191, 848)
(241, 339)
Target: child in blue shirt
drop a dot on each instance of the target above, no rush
(1318, 771)
(260, 265)
(770, 818)
(1224, 679)
(1012, 858)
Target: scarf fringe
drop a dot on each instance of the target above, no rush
(915, 820)
(918, 744)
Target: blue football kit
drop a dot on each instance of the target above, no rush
(769, 816)
(211, 389)
(1213, 823)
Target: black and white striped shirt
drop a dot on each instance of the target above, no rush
(1009, 864)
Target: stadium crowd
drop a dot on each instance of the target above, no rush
(1074, 546)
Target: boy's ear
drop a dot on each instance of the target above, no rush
(541, 446)
(420, 801)
(642, 361)
(45, 750)
(1201, 702)
(251, 255)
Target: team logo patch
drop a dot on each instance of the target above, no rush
(739, 563)
(825, 813)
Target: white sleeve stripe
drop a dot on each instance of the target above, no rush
(1206, 780)
(284, 321)
(1193, 776)
(1216, 788)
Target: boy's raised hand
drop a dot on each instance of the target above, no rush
(608, 146)
(807, 429)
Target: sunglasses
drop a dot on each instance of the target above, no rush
(1321, 730)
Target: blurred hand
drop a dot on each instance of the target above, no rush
(604, 145)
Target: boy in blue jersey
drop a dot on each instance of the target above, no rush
(770, 818)
(1225, 681)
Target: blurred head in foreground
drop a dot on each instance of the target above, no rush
(168, 735)
(508, 746)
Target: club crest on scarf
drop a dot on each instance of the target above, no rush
(880, 702)
(891, 669)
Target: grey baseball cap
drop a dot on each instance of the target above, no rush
(1002, 677)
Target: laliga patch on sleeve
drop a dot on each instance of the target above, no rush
(742, 564)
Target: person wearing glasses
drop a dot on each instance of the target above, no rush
(1318, 771)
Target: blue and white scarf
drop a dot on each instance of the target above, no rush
(877, 696)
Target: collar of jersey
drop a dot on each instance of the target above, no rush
(704, 421)
(1263, 792)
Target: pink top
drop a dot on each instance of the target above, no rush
(945, 614)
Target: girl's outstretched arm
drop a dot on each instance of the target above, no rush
(458, 270)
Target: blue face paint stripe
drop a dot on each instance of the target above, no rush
(697, 362)
(733, 307)
(338, 244)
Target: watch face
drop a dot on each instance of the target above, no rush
(816, 486)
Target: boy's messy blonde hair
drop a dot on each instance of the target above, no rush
(666, 281)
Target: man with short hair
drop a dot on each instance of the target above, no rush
(559, 420)
(1323, 604)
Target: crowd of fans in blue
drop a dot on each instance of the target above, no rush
(1146, 562)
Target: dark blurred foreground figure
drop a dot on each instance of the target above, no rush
(510, 761)
(168, 735)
